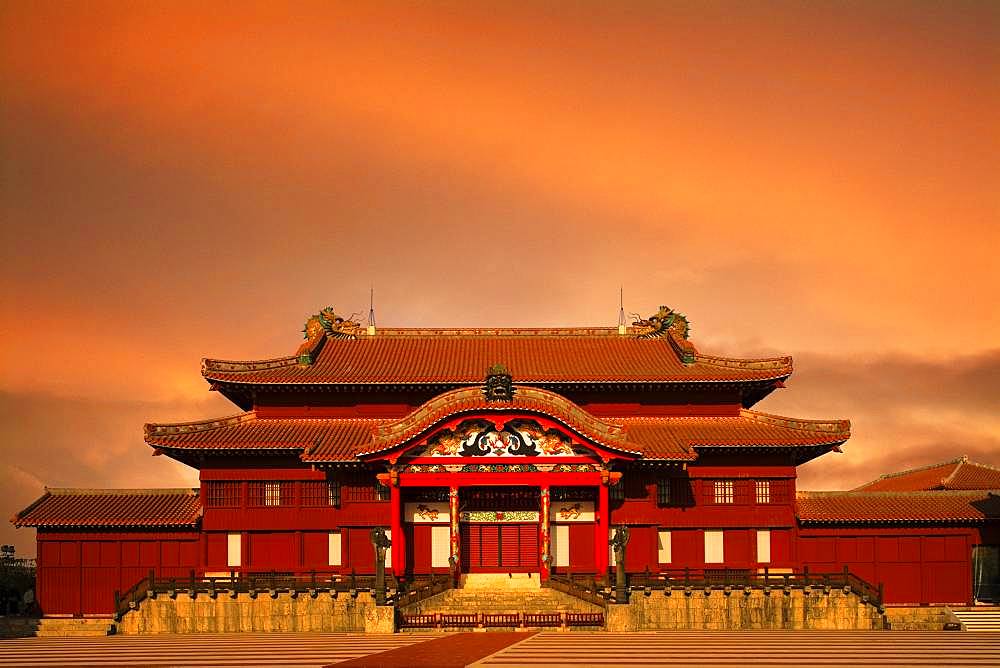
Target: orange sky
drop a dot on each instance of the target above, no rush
(814, 179)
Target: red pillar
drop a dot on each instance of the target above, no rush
(546, 556)
(601, 539)
(396, 526)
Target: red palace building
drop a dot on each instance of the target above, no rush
(511, 450)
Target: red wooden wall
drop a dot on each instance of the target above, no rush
(78, 573)
(917, 565)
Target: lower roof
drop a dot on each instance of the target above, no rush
(880, 508)
(112, 508)
(955, 474)
(318, 440)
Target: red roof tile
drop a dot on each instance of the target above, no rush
(957, 474)
(461, 357)
(341, 439)
(896, 507)
(112, 508)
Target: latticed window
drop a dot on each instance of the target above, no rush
(779, 491)
(219, 494)
(722, 491)
(663, 492)
(617, 492)
(362, 486)
(321, 493)
(762, 489)
(270, 493)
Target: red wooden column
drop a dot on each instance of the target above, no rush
(544, 534)
(396, 526)
(453, 522)
(601, 539)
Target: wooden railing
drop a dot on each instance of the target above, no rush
(584, 587)
(311, 584)
(502, 620)
(689, 579)
(416, 590)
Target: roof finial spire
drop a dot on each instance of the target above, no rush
(371, 311)
(621, 310)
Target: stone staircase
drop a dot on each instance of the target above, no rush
(74, 627)
(979, 618)
(499, 594)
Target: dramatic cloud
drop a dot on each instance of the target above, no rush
(183, 180)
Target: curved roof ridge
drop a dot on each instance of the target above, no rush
(469, 399)
(121, 491)
(757, 363)
(209, 364)
(800, 424)
(151, 429)
(919, 493)
(917, 469)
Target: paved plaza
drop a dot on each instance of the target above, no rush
(702, 649)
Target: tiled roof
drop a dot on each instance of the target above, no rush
(897, 507)
(461, 357)
(65, 508)
(341, 439)
(317, 439)
(660, 437)
(956, 474)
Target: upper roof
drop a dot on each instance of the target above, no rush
(342, 439)
(67, 508)
(955, 474)
(945, 506)
(341, 352)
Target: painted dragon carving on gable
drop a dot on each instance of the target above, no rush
(518, 438)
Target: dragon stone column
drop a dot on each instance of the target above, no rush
(546, 568)
(453, 560)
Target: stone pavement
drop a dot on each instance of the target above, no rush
(759, 649)
(245, 650)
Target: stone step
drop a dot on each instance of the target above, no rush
(987, 619)
(69, 627)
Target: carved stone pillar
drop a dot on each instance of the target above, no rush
(546, 555)
(603, 531)
(396, 526)
(453, 560)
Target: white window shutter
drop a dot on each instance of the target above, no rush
(440, 546)
(713, 547)
(234, 550)
(560, 544)
(336, 549)
(663, 547)
(763, 547)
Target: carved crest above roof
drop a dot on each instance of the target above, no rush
(663, 321)
(324, 324)
(499, 384)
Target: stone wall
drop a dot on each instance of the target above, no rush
(716, 610)
(224, 614)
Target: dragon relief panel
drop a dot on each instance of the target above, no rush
(517, 438)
